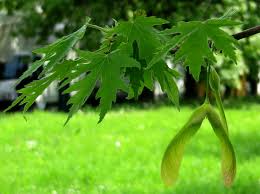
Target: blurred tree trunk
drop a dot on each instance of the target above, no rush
(242, 91)
(228, 92)
(190, 86)
(253, 86)
(195, 89)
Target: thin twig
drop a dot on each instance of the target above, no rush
(246, 33)
(97, 27)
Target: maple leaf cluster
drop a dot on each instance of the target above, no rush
(132, 56)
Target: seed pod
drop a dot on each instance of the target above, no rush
(173, 155)
(228, 163)
(214, 80)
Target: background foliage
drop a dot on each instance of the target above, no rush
(40, 19)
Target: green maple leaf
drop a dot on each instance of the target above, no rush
(108, 69)
(55, 52)
(138, 77)
(223, 41)
(193, 41)
(54, 68)
(31, 91)
(135, 74)
(142, 40)
(165, 77)
(141, 29)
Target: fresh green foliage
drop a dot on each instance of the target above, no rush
(164, 76)
(41, 156)
(132, 56)
(141, 30)
(195, 41)
(105, 68)
(52, 56)
(54, 53)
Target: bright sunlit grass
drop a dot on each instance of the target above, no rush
(122, 155)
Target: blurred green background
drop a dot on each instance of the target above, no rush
(43, 21)
(122, 154)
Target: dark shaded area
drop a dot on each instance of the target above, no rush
(2, 66)
(63, 99)
(190, 86)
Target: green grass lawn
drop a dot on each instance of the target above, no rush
(122, 155)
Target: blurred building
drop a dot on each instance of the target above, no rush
(10, 44)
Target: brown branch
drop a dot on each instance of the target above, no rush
(246, 33)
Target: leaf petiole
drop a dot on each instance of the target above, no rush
(207, 84)
(97, 27)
